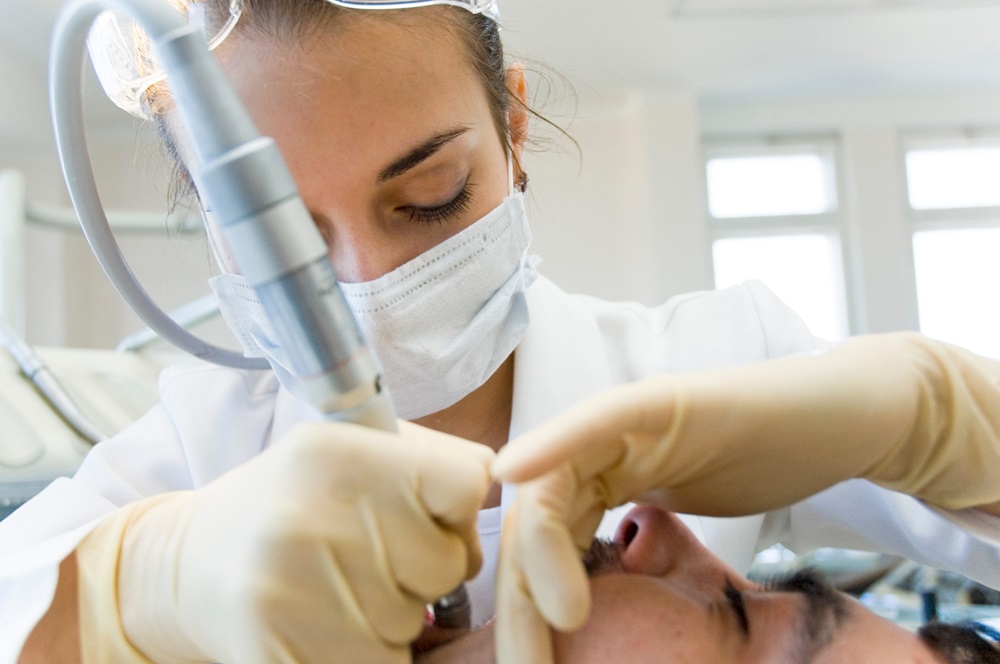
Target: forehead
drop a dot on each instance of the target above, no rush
(364, 87)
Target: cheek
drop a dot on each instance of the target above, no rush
(634, 623)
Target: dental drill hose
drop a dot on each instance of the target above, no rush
(242, 177)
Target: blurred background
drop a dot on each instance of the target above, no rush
(846, 152)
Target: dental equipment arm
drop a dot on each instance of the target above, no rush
(906, 412)
(242, 177)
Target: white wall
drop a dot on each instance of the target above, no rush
(625, 222)
(69, 300)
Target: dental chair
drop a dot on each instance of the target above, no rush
(55, 403)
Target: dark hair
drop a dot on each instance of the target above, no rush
(297, 19)
(959, 644)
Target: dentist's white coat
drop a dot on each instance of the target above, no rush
(212, 419)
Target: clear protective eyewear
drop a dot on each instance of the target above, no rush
(126, 68)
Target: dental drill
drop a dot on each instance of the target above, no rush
(242, 177)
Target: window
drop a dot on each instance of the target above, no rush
(943, 178)
(774, 216)
(954, 207)
(769, 186)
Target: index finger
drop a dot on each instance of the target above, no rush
(594, 426)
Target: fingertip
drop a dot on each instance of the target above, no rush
(522, 636)
(500, 468)
(574, 616)
(485, 456)
(507, 466)
(569, 610)
(556, 576)
(474, 561)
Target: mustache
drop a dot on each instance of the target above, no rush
(602, 558)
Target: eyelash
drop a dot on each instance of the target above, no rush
(441, 213)
(735, 599)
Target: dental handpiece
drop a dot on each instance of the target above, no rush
(454, 610)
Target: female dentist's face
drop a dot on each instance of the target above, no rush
(385, 127)
(668, 599)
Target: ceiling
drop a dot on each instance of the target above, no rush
(766, 48)
(716, 49)
(789, 7)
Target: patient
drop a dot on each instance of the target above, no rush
(660, 596)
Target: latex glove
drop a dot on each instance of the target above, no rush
(906, 412)
(325, 548)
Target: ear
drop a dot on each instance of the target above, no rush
(518, 114)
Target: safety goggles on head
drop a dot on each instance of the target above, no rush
(124, 60)
(488, 7)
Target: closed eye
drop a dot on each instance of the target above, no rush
(735, 600)
(441, 213)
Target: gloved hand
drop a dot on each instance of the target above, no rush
(325, 548)
(906, 412)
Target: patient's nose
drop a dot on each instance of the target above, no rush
(657, 543)
(649, 539)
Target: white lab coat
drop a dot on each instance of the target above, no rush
(212, 419)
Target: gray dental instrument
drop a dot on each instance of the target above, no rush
(34, 369)
(242, 177)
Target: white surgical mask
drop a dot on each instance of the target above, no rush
(439, 325)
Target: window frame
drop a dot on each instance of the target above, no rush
(830, 224)
(943, 219)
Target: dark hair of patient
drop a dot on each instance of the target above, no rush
(958, 644)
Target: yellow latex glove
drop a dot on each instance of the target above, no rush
(901, 410)
(325, 548)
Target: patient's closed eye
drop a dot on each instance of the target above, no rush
(735, 599)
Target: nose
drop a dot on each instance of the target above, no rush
(359, 258)
(351, 271)
(656, 543)
(361, 249)
(647, 537)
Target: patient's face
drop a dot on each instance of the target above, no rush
(660, 596)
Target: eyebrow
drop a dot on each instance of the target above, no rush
(821, 615)
(419, 154)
